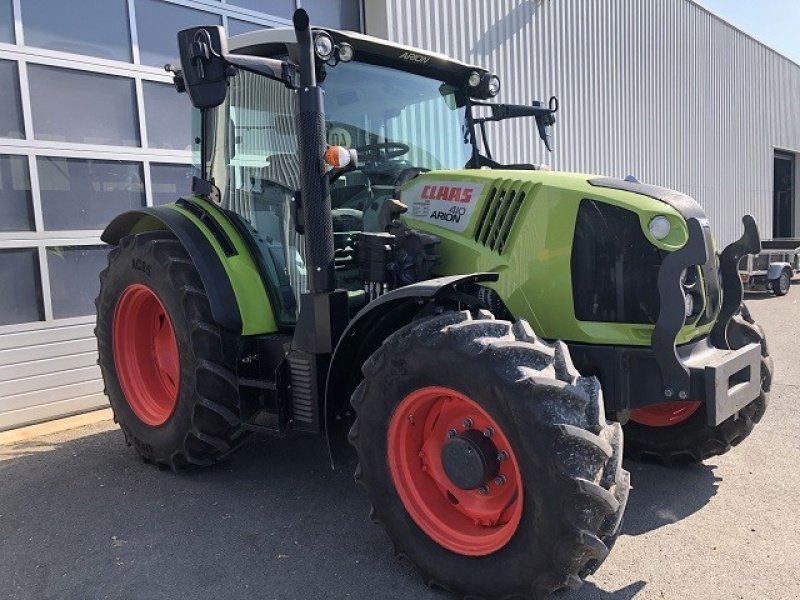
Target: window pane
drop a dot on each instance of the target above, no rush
(276, 8)
(341, 14)
(169, 117)
(21, 302)
(74, 281)
(157, 25)
(6, 22)
(89, 108)
(235, 26)
(79, 26)
(16, 210)
(170, 182)
(86, 194)
(10, 106)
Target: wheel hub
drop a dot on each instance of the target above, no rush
(455, 471)
(469, 459)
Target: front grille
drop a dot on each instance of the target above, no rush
(500, 210)
(614, 266)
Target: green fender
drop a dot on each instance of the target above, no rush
(232, 279)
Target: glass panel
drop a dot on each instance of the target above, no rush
(169, 117)
(21, 302)
(341, 14)
(79, 26)
(74, 282)
(6, 22)
(170, 182)
(89, 108)
(235, 26)
(157, 24)
(86, 194)
(10, 106)
(277, 8)
(16, 210)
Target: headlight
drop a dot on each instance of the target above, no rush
(659, 227)
(474, 79)
(345, 52)
(493, 85)
(323, 46)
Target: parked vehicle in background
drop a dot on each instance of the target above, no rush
(771, 269)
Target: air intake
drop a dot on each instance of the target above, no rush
(499, 214)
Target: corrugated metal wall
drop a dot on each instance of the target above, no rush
(660, 89)
(48, 372)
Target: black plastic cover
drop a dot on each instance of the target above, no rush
(614, 266)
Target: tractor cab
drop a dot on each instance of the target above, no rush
(403, 113)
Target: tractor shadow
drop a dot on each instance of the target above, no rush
(664, 495)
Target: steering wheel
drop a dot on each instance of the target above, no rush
(372, 152)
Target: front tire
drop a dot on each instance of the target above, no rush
(169, 369)
(679, 431)
(487, 457)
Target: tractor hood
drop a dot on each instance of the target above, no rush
(574, 251)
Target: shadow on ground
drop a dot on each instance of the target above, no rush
(86, 518)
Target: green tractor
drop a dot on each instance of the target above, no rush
(369, 266)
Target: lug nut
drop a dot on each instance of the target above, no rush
(451, 433)
(483, 490)
(488, 432)
(467, 423)
(501, 456)
(500, 480)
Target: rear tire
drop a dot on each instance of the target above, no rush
(693, 439)
(571, 489)
(200, 424)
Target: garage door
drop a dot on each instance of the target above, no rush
(47, 373)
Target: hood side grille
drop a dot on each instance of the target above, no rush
(498, 216)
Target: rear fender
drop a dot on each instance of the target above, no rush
(367, 331)
(238, 299)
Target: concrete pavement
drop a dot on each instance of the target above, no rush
(81, 517)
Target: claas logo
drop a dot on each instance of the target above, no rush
(451, 193)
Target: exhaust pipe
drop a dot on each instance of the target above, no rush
(314, 187)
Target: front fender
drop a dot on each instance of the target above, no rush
(366, 332)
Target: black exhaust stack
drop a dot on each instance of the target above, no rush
(315, 193)
(323, 310)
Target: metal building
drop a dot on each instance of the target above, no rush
(89, 127)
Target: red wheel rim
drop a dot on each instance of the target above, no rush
(146, 354)
(664, 414)
(469, 522)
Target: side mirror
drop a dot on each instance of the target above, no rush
(203, 66)
(206, 65)
(204, 69)
(545, 121)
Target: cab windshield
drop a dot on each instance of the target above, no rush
(400, 123)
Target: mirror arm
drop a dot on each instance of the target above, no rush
(277, 70)
(335, 173)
